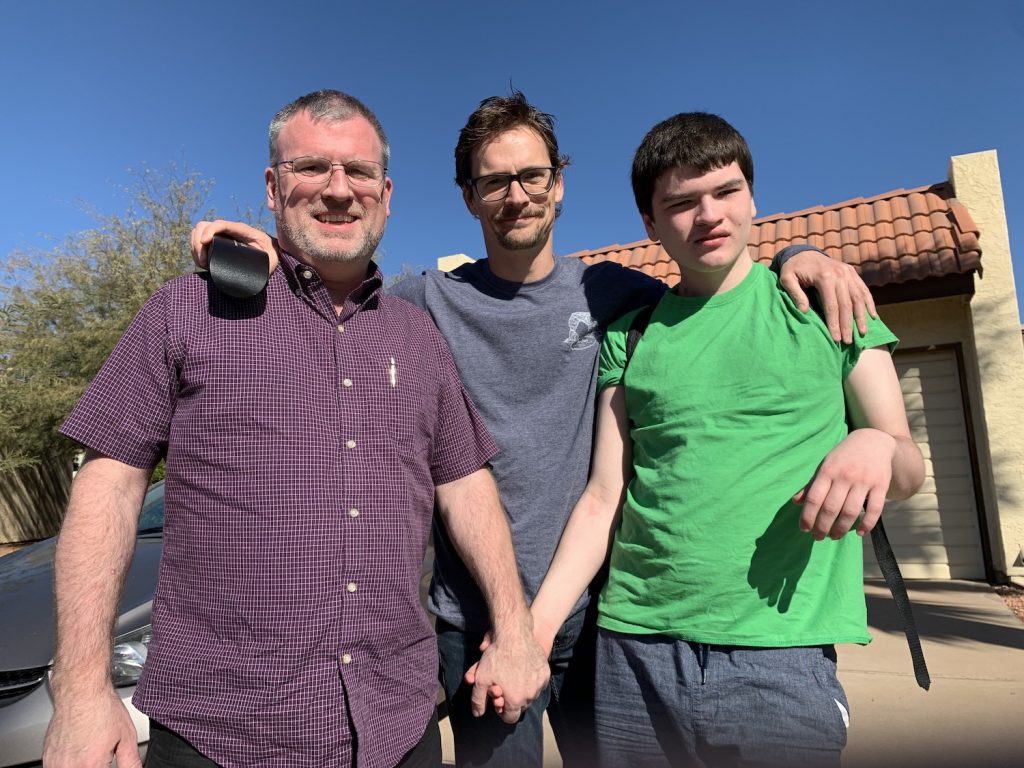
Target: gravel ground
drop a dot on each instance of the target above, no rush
(1013, 596)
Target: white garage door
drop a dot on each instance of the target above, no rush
(935, 534)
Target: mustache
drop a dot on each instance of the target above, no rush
(524, 214)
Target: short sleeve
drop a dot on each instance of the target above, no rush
(612, 361)
(461, 443)
(878, 335)
(125, 413)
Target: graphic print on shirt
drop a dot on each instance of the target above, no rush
(583, 331)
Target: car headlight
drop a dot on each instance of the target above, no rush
(130, 656)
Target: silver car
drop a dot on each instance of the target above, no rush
(27, 633)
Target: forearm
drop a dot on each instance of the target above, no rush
(588, 534)
(581, 553)
(478, 527)
(94, 549)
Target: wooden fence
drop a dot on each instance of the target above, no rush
(32, 501)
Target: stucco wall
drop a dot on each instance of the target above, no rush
(998, 365)
(926, 323)
(448, 263)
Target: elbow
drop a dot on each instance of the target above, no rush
(601, 502)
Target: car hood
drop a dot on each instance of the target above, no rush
(27, 615)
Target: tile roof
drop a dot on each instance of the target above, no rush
(891, 238)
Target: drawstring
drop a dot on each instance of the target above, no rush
(703, 651)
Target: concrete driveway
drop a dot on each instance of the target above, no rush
(972, 716)
(974, 713)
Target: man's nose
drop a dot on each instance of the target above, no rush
(516, 194)
(337, 186)
(708, 210)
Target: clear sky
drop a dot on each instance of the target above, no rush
(838, 100)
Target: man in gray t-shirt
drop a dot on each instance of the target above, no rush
(525, 328)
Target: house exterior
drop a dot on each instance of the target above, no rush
(937, 259)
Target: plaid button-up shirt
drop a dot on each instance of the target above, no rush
(302, 450)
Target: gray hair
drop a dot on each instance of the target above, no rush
(327, 105)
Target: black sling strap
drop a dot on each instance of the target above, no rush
(879, 540)
(894, 580)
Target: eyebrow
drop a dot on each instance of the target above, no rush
(517, 173)
(723, 187)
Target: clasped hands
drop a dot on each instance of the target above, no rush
(512, 673)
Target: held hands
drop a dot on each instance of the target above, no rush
(544, 638)
(512, 672)
(90, 733)
(853, 477)
(203, 232)
(844, 296)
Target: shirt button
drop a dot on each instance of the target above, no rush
(341, 328)
(307, 274)
(353, 512)
(350, 444)
(351, 586)
(346, 658)
(346, 382)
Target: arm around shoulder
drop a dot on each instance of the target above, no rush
(845, 297)
(202, 235)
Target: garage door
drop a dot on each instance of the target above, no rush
(935, 534)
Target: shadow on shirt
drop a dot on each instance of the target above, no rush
(780, 558)
(225, 307)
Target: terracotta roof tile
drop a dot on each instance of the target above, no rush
(890, 238)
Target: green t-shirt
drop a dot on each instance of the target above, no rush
(734, 401)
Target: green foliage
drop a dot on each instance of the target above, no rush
(62, 311)
(404, 272)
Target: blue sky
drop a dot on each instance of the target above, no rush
(837, 100)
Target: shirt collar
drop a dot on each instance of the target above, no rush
(303, 278)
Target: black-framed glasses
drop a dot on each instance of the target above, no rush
(495, 186)
(318, 170)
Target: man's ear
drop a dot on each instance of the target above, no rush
(470, 200)
(649, 226)
(385, 195)
(271, 181)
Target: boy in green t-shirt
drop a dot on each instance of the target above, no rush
(725, 481)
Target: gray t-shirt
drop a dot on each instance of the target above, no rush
(527, 353)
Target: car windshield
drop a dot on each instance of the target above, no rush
(151, 519)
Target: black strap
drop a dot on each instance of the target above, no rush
(894, 580)
(879, 540)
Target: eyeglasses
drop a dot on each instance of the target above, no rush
(494, 187)
(319, 170)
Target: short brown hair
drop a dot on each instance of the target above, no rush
(697, 139)
(496, 115)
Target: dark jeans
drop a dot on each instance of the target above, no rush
(569, 701)
(169, 750)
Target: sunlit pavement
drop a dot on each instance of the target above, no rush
(972, 716)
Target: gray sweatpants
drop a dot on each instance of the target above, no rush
(664, 702)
